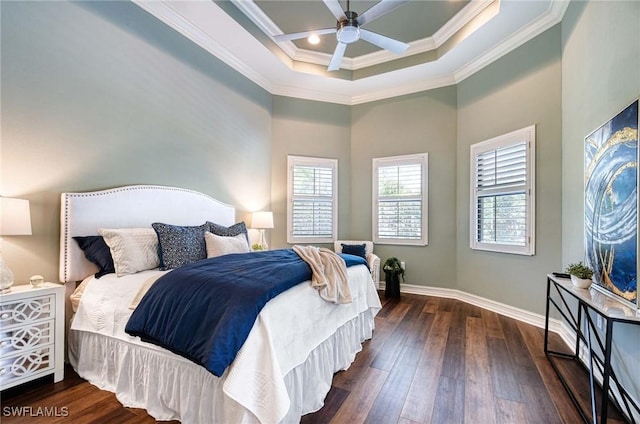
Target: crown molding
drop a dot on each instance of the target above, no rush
(403, 89)
(306, 93)
(554, 15)
(462, 18)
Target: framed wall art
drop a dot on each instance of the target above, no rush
(611, 204)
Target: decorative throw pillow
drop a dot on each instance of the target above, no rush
(234, 230)
(224, 245)
(179, 245)
(97, 251)
(133, 249)
(355, 249)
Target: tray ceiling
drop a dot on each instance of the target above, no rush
(449, 40)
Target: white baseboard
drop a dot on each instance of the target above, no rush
(534, 319)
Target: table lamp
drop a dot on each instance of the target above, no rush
(15, 220)
(262, 221)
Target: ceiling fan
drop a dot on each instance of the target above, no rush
(349, 29)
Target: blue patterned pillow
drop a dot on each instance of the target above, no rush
(232, 231)
(180, 245)
(97, 251)
(355, 249)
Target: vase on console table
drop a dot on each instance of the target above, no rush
(581, 283)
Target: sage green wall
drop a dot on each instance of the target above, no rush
(521, 89)
(101, 94)
(308, 128)
(600, 77)
(416, 123)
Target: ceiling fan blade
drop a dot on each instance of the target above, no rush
(336, 9)
(303, 34)
(395, 46)
(381, 8)
(336, 59)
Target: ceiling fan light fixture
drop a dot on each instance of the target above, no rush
(348, 34)
(348, 30)
(313, 39)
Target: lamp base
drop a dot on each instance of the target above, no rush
(263, 240)
(6, 277)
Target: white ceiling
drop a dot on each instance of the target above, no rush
(468, 36)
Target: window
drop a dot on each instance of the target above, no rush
(312, 203)
(400, 199)
(503, 193)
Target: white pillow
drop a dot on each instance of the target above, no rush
(133, 249)
(223, 245)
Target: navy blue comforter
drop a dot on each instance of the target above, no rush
(204, 311)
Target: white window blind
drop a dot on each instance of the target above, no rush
(312, 200)
(400, 187)
(502, 204)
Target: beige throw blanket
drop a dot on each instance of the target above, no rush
(329, 273)
(143, 290)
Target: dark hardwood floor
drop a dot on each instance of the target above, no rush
(431, 360)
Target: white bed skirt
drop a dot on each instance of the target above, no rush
(170, 387)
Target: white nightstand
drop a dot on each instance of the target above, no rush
(31, 334)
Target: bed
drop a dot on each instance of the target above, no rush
(282, 371)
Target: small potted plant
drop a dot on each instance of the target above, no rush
(580, 275)
(392, 268)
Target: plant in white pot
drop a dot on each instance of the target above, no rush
(580, 275)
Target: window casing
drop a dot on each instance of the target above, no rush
(400, 199)
(312, 200)
(503, 193)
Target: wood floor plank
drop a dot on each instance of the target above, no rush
(511, 412)
(361, 399)
(449, 406)
(539, 406)
(421, 396)
(513, 338)
(521, 355)
(403, 420)
(534, 339)
(386, 358)
(391, 398)
(453, 364)
(478, 396)
(334, 400)
(503, 379)
(395, 313)
(557, 392)
(432, 305)
(476, 353)
(492, 324)
(419, 331)
(446, 304)
(479, 403)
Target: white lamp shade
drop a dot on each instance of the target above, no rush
(262, 220)
(15, 217)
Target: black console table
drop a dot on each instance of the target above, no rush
(593, 308)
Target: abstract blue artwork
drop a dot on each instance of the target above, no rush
(611, 203)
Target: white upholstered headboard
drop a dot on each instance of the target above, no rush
(81, 214)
